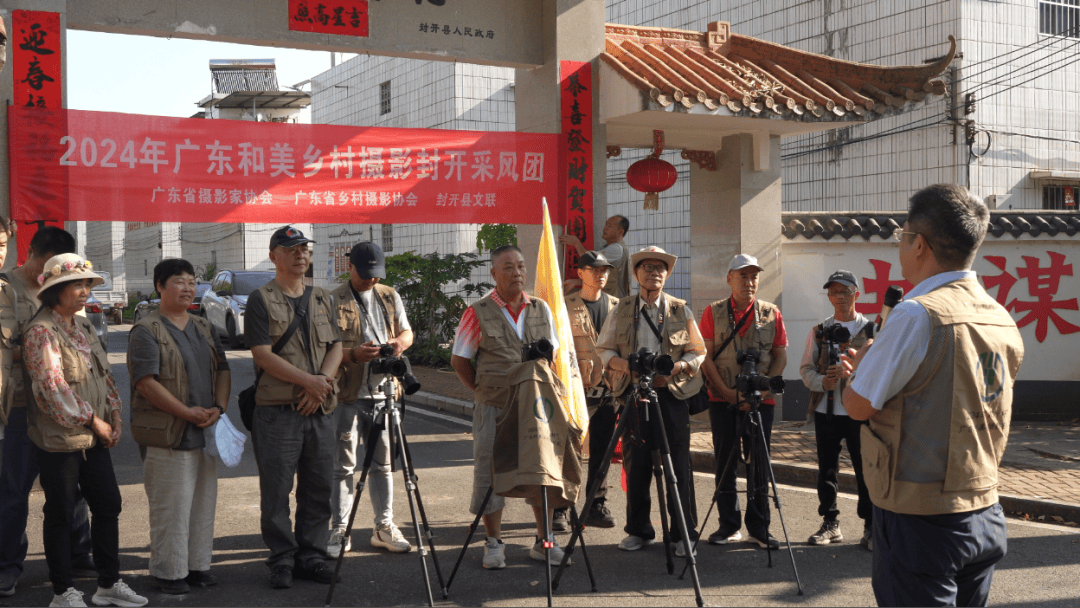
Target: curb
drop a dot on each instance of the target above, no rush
(802, 475)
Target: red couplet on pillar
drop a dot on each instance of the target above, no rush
(577, 114)
(344, 17)
(36, 73)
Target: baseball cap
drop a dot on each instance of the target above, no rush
(368, 259)
(593, 259)
(287, 236)
(843, 277)
(742, 261)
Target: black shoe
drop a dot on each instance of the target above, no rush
(281, 577)
(319, 572)
(83, 568)
(765, 540)
(560, 521)
(172, 587)
(599, 516)
(200, 578)
(724, 536)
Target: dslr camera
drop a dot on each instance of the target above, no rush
(749, 381)
(397, 367)
(541, 349)
(646, 361)
(834, 334)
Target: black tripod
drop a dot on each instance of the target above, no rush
(663, 470)
(759, 474)
(389, 413)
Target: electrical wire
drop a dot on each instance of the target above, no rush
(1043, 43)
(1048, 69)
(1022, 70)
(860, 140)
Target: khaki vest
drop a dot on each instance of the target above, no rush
(585, 333)
(935, 447)
(500, 347)
(273, 390)
(91, 385)
(760, 335)
(676, 335)
(618, 284)
(351, 377)
(857, 341)
(149, 425)
(17, 308)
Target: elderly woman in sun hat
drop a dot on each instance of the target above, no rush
(74, 418)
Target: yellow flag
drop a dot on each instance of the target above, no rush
(549, 289)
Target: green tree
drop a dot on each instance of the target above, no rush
(493, 236)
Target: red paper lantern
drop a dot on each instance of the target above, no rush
(652, 175)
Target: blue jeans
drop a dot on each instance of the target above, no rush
(18, 470)
(937, 560)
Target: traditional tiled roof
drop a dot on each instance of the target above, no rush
(828, 225)
(717, 68)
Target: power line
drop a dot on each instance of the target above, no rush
(1047, 69)
(1021, 71)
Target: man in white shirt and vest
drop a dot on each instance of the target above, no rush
(615, 251)
(937, 388)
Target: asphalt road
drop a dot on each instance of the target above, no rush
(1040, 568)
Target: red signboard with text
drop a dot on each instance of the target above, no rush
(577, 114)
(101, 166)
(345, 17)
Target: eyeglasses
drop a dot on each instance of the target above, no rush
(897, 234)
(651, 268)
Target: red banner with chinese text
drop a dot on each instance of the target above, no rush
(577, 115)
(101, 166)
(36, 74)
(345, 17)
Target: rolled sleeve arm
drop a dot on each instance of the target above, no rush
(808, 369)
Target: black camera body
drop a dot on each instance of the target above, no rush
(646, 362)
(834, 334)
(541, 349)
(398, 367)
(749, 381)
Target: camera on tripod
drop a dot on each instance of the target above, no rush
(646, 362)
(541, 349)
(397, 367)
(749, 381)
(834, 334)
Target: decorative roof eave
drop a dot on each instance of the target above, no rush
(862, 224)
(716, 71)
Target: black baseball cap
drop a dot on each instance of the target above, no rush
(287, 236)
(843, 277)
(593, 259)
(369, 261)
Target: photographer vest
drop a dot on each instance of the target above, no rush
(151, 426)
(273, 390)
(760, 335)
(935, 447)
(17, 308)
(91, 385)
(351, 377)
(676, 337)
(500, 347)
(585, 334)
(857, 341)
(618, 284)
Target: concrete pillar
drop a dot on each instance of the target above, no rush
(735, 209)
(573, 30)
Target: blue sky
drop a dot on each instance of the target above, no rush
(163, 77)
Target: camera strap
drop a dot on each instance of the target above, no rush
(657, 331)
(735, 331)
(300, 311)
(367, 314)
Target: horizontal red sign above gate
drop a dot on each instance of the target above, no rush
(101, 166)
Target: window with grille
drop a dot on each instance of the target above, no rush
(1061, 197)
(1059, 17)
(387, 238)
(384, 97)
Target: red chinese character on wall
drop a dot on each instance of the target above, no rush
(1043, 284)
(878, 285)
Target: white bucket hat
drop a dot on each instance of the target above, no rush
(67, 267)
(653, 253)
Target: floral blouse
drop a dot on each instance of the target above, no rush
(41, 357)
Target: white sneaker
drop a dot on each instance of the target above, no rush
(554, 555)
(633, 543)
(338, 540)
(120, 595)
(494, 554)
(71, 597)
(680, 552)
(389, 537)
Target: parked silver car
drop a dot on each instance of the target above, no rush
(223, 305)
(95, 313)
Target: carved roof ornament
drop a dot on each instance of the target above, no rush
(613, 151)
(705, 160)
(747, 75)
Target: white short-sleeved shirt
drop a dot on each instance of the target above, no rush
(901, 345)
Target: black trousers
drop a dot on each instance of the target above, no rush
(730, 429)
(601, 428)
(62, 475)
(639, 476)
(830, 436)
